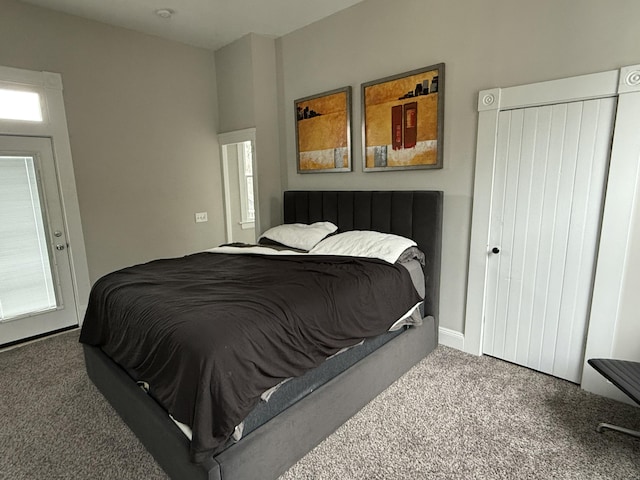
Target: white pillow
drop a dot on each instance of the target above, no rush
(299, 235)
(364, 243)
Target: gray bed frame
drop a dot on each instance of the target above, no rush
(271, 449)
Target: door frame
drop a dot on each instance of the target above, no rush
(619, 200)
(54, 126)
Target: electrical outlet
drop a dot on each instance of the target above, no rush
(201, 217)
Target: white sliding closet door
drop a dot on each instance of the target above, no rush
(548, 186)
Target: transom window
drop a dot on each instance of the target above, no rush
(20, 105)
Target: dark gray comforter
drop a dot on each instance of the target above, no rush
(210, 332)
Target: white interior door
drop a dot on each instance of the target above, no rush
(36, 290)
(549, 175)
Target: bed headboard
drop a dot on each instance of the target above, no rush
(413, 214)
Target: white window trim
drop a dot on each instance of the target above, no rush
(54, 126)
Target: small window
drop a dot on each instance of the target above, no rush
(20, 105)
(246, 182)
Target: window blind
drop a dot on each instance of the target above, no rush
(26, 279)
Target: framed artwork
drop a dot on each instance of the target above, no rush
(323, 132)
(402, 120)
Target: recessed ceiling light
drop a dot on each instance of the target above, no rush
(165, 12)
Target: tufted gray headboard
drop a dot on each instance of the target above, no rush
(413, 214)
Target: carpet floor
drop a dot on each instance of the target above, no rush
(453, 416)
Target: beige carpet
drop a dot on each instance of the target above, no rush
(453, 416)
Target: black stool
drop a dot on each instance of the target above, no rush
(626, 376)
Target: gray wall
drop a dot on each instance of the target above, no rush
(267, 131)
(248, 98)
(234, 79)
(141, 113)
(484, 44)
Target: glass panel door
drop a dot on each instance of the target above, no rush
(27, 284)
(36, 289)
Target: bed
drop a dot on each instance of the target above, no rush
(331, 394)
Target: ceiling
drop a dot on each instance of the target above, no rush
(203, 23)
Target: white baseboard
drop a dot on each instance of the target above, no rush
(450, 338)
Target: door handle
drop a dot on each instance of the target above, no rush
(495, 250)
(59, 247)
